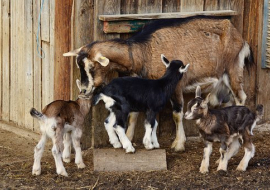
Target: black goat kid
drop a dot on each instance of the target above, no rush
(130, 94)
(225, 125)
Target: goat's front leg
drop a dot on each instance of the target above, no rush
(67, 147)
(132, 120)
(149, 124)
(60, 169)
(39, 149)
(124, 139)
(206, 157)
(180, 137)
(109, 123)
(76, 136)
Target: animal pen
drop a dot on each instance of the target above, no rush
(31, 77)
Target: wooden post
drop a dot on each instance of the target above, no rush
(82, 26)
(62, 42)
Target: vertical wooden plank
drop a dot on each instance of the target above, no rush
(238, 5)
(170, 6)
(99, 134)
(150, 6)
(224, 4)
(46, 74)
(6, 58)
(52, 49)
(36, 62)
(191, 5)
(28, 57)
(45, 21)
(1, 66)
(20, 96)
(211, 5)
(253, 16)
(82, 34)
(13, 61)
(62, 40)
(45, 39)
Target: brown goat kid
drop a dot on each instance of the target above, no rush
(61, 121)
(225, 125)
(213, 47)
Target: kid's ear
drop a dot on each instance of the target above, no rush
(205, 102)
(198, 92)
(165, 61)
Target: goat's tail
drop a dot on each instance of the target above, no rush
(247, 55)
(259, 112)
(36, 114)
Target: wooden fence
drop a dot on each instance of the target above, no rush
(26, 79)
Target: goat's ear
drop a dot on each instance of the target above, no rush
(206, 101)
(165, 61)
(183, 70)
(73, 52)
(104, 61)
(198, 92)
(78, 82)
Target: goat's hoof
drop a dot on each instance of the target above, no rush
(81, 165)
(204, 170)
(149, 146)
(67, 159)
(36, 171)
(156, 145)
(178, 147)
(240, 168)
(117, 145)
(130, 149)
(63, 173)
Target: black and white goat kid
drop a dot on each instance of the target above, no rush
(131, 94)
(226, 125)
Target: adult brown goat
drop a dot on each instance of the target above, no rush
(213, 47)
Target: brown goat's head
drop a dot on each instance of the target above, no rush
(93, 67)
(197, 107)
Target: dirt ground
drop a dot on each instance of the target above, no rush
(16, 159)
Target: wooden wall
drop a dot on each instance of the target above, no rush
(26, 79)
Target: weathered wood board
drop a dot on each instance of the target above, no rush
(118, 160)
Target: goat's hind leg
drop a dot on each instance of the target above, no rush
(249, 153)
(149, 124)
(60, 169)
(67, 147)
(76, 137)
(39, 149)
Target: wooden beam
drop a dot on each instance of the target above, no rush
(62, 42)
(150, 16)
(118, 160)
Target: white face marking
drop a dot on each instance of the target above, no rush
(189, 114)
(87, 66)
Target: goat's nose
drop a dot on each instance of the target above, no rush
(84, 91)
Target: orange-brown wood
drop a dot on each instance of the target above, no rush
(62, 40)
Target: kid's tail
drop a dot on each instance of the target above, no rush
(36, 114)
